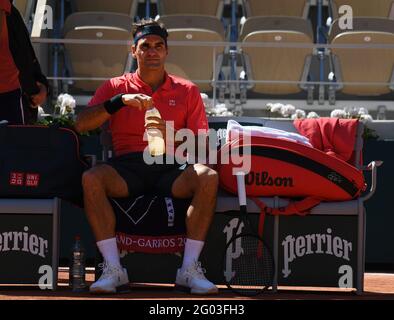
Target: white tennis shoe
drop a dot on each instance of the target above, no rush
(193, 280)
(113, 279)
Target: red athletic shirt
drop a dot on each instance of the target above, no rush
(9, 80)
(176, 99)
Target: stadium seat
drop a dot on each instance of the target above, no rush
(201, 7)
(194, 62)
(24, 7)
(377, 63)
(279, 63)
(97, 60)
(365, 8)
(21, 5)
(128, 7)
(289, 8)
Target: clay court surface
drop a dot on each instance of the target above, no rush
(377, 286)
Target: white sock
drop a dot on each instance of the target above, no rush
(109, 251)
(192, 252)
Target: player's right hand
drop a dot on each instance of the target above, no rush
(139, 100)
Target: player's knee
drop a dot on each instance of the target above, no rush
(208, 178)
(90, 180)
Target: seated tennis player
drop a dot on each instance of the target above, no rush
(123, 101)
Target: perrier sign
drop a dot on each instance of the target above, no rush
(318, 251)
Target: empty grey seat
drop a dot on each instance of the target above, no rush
(97, 60)
(21, 5)
(194, 62)
(277, 63)
(128, 7)
(25, 8)
(369, 65)
(200, 7)
(289, 8)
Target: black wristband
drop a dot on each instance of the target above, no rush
(114, 104)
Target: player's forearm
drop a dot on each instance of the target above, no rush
(91, 118)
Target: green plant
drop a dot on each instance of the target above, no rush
(369, 134)
(65, 121)
(63, 115)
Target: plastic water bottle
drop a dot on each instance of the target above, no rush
(155, 137)
(77, 267)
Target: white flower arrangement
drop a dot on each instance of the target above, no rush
(219, 110)
(298, 114)
(40, 113)
(65, 105)
(352, 113)
(288, 110)
(338, 113)
(63, 112)
(275, 107)
(312, 115)
(347, 113)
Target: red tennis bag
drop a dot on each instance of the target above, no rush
(289, 169)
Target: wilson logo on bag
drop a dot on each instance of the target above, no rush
(264, 178)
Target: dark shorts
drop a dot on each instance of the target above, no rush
(11, 107)
(141, 178)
